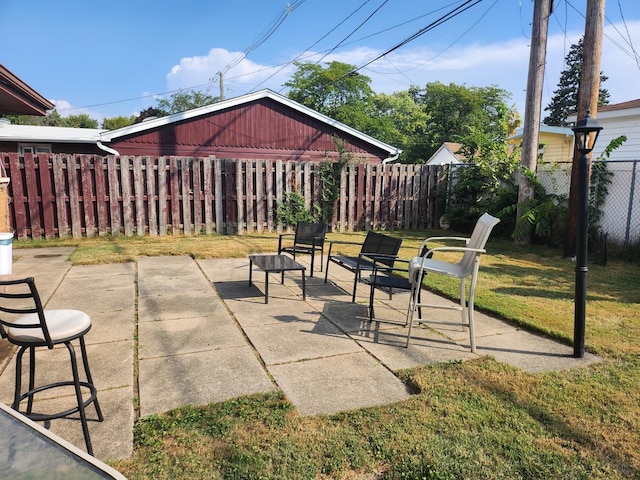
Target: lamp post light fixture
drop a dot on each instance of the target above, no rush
(586, 133)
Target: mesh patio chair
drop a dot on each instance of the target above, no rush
(377, 248)
(467, 267)
(29, 326)
(307, 239)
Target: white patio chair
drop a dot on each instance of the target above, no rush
(467, 267)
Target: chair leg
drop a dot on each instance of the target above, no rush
(313, 256)
(87, 371)
(470, 309)
(355, 286)
(18, 380)
(76, 384)
(32, 377)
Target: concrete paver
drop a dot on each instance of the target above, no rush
(196, 332)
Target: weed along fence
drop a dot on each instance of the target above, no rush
(83, 195)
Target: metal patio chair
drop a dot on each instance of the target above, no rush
(307, 239)
(377, 248)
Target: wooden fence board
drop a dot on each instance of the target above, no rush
(218, 195)
(239, 197)
(57, 164)
(260, 198)
(138, 195)
(174, 189)
(127, 208)
(114, 195)
(249, 197)
(152, 211)
(101, 196)
(33, 196)
(197, 197)
(163, 207)
(47, 196)
(207, 187)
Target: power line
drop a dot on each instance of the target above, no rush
(448, 16)
(286, 64)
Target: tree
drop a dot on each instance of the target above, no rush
(400, 121)
(118, 122)
(81, 120)
(477, 117)
(565, 97)
(184, 100)
(336, 92)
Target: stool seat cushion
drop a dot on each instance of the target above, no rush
(62, 325)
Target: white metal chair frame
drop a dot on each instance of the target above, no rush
(468, 265)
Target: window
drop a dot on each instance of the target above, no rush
(34, 148)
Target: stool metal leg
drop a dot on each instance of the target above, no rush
(85, 361)
(76, 384)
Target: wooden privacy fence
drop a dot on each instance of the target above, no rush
(84, 195)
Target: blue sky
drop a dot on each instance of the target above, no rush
(118, 57)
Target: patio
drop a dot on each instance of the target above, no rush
(204, 335)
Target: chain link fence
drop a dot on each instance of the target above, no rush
(620, 220)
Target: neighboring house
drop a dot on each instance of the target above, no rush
(555, 143)
(37, 139)
(619, 119)
(260, 125)
(447, 154)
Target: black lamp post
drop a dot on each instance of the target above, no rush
(586, 132)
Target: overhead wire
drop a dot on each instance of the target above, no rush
(448, 16)
(299, 56)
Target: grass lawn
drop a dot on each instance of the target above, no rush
(475, 419)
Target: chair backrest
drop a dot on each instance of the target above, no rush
(306, 233)
(378, 243)
(20, 297)
(478, 239)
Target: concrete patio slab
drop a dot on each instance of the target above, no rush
(341, 383)
(174, 337)
(296, 338)
(199, 378)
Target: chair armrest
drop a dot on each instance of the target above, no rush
(280, 240)
(339, 242)
(439, 239)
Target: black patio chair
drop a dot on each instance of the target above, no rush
(307, 239)
(377, 248)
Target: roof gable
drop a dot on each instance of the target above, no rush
(18, 98)
(208, 110)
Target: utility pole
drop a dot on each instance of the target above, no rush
(221, 75)
(533, 103)
(588, 94)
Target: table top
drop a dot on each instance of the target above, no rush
(28, 450)
(275, 263)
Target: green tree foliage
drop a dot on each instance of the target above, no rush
(118, 122)
(53, 119)
(477, 117)
(82, 120)
(400, 121)
(565, 97)
(336, 92)
(184, 100)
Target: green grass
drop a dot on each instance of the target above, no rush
(475, 419)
